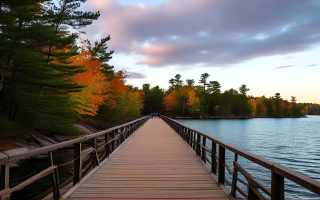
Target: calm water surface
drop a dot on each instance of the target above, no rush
(291, 142)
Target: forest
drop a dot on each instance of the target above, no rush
(51, 78)
(206, 100)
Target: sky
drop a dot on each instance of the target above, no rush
(270, 46)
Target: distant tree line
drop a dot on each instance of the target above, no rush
(186, 99)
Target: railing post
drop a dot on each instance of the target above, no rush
(107, 147)
(213, 158)
(121, 135)
(277, 186)
(251, 194)
(55, 179)
(125, 134)
(182, 132)
(114, 141)
(234, 178)
(130, 130)
(77, 163)
(198, 144)
(134, 127)
(191, 140)
(5, 171)
(221, 170)
(203, 149)
(194, 141)
(95, 159)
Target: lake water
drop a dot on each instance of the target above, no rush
(291, 142)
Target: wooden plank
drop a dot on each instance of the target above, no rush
(154, 163)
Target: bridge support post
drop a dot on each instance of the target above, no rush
(277, 186)
(222, 160)
(77, 168)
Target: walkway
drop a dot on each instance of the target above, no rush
(154, 163)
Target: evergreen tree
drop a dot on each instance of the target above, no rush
(99, 52)
(190, 83)
(37, 90)
(203, 80)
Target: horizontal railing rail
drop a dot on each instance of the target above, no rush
(218, 165)
(84, 160)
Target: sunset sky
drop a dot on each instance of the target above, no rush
(270, 46)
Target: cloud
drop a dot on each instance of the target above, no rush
(136, 75)
(313, 65)
(215, 33)
(287, 66)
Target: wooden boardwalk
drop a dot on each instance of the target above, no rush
(154, 163)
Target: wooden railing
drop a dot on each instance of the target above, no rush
(83, 161)
(198, 141)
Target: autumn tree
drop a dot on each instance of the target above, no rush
(124, 102)
(97, 87)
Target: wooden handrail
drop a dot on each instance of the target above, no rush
(28, 181)
(251, 181)
(118, 135)
(11, 157)
(279, 172)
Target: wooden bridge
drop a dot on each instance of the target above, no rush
(152, 159)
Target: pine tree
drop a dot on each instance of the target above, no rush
(37, 90)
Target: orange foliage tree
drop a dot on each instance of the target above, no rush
(97, 87)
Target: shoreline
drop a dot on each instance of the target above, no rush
(177, 117)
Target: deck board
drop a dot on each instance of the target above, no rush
(155, 163)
